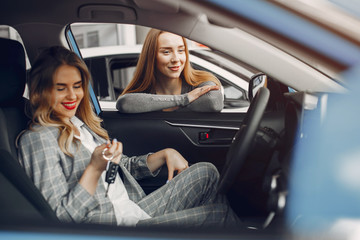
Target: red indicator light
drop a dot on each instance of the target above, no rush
(207, 136)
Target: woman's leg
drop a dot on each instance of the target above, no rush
(209, 215)
(189, 199)
(193, 187)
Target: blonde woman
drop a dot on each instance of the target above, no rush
(66, 151)
(164, 79)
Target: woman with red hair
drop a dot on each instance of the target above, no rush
(164, 79)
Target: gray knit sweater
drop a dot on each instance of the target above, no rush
(212, 101)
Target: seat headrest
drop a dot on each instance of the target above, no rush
(12, 72)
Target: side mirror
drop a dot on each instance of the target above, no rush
(257, 81)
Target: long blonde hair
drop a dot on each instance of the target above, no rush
(144, 79)
(41, 84)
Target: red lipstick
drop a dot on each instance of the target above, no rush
(69, 105)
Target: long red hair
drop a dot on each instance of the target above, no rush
(144, 79)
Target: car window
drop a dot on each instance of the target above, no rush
(122, 73)
(111, 52)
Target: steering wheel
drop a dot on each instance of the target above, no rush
(243, 140)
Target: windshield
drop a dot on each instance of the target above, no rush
(226, 62)
(315, 31)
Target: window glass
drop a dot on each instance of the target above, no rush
(92, 39)
(80, 40)
(122, 78)
(111, 52)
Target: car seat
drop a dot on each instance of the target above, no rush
(19, 198)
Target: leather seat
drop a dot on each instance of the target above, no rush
(12, 85)
(19, 198)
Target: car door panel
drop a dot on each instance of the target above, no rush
(150, 132)
(202, 135)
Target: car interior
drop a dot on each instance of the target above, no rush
(184, 135)
(251, 150)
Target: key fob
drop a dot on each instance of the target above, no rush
(111, 170)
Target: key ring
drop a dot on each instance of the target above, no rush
(105, 157)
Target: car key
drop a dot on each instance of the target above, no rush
(111, 170)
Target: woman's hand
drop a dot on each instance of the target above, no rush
(97, 165)
(114, 151)
(198, 92)
(173, 159)
(175, 162)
